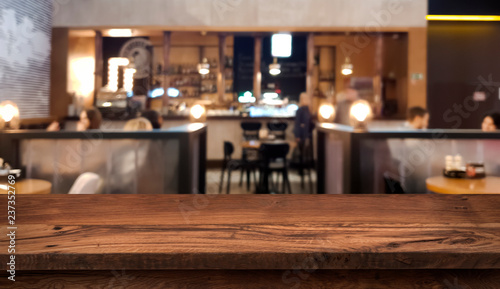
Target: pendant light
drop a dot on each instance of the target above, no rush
(204, 66)
(347, 67)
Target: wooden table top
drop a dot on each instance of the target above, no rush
(28, 187)
(442, 185)
(139, 232)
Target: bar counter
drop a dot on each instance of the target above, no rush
(249, 241)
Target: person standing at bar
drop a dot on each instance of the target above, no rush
(303, 126)
(343, 108)
(302, 130)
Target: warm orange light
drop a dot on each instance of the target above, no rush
(128, 79)
(463, 18)
(82, 76)
(120, 32)
(326, 112)
(9, 115)
(113, 64)
(197, 112)
(8, 110)
(360, 114)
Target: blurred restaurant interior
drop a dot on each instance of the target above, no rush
(245, 79)
(248, 98)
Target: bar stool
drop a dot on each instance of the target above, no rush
(278, 129)
(229, 164)
(274, 160)
(251, 130)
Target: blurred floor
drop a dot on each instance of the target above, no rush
(213, 179)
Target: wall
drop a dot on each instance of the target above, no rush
(59, 98)
(81, 67)
(239, 14)
(25, 46)
(417, 64)
(462, 59)
(464, 7)
(362, 50)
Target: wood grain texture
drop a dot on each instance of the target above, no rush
(161, 232)
(290, 279)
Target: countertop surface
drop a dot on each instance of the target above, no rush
(138, 232)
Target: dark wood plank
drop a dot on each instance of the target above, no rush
(254, 247)
(290, 279)
(160, 232)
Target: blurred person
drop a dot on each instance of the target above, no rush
(489, 148)
(302, 129)
(491, 122)
(130, 159)
(138, 124)
(90, 118)
(414, 171)
(343, 108)
(411, 172)
(304, 125)
(417, 118)
(154, 118)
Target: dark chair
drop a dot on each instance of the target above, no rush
(392, 186)
(303, 162)
(251, 130)
(278, 129)
(273, 159)
(229, 164)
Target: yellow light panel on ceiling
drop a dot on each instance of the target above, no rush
(463, 18)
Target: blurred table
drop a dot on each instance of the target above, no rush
(28, 187)
(442, 185)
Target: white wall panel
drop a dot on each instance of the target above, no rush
(25, 45)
